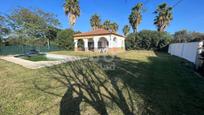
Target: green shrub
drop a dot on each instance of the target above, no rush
(132, 41)
(187, 36)
(65, 39)
(26, 41)
(148, 39)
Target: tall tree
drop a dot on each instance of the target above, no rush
(163, 16)
(50, 25)
(72, 10)
(65, 39)
(126, 30)
(182, 36)
(4, 29)
(95, 22)
(110, 26)
(28, 23)
(106, 25)
(114, 27)
(187, 36)
(135, 17)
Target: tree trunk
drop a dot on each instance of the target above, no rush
(136, 30)
(160, 29)
(48, 44)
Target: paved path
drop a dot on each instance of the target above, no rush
(40, 64)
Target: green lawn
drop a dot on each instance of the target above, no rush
(78, 53)
(142, 82)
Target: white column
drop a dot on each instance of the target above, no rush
(76, 45)
(95, 43)
(110, 39)
(86, 44)
(123, 43)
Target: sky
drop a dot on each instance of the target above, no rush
(188, 14)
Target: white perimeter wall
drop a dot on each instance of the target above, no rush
(187, 51)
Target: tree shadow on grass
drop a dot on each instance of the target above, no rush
(134, 87)
(167, 85)
(87, 82)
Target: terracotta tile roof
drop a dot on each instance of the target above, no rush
(95, 33)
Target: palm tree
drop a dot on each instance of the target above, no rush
(163, 17)
(72, 10)
(135, 17)
(126, 30)
(106, 25)
(95, 22)
(114, 27)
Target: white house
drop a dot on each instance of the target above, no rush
(99, 40)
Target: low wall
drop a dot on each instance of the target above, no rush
(188, 51)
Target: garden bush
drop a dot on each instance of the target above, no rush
(65, 39)
(183, 36)
(148, 40)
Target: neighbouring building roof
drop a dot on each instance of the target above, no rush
(96, 33)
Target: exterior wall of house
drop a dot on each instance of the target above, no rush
(115, 43)
(118, 42)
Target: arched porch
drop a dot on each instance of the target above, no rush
(91, 44)
(100, 44)
(101, 40)
(79, 45)
(103, 44)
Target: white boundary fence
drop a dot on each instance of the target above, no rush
(188, 51)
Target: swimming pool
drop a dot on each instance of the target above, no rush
(51, 59)
(38, 57)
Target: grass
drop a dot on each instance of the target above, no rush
(80, 53)
(38, 58)
(142, 82)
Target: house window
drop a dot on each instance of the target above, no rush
(114, 39)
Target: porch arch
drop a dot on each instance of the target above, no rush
(80, 45)
(90, 44)
(103, 43)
